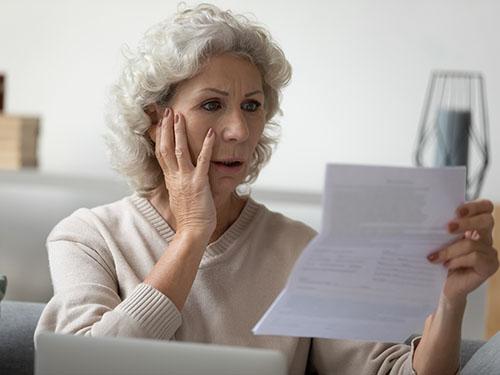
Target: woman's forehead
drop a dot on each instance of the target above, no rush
(226, 73)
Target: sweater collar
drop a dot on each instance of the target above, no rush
(214, 249)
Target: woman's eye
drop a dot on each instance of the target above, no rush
(211, 106)
(250, 106)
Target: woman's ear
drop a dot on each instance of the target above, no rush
(152, 110)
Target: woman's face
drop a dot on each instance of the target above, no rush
(227, 96)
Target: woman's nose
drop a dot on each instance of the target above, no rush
(235, 127)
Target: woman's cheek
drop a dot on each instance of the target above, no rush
(194, 148)
(191, 138)
(194, 139)
(259, 129)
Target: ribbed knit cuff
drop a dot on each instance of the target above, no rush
(413, 346)
(154, 311)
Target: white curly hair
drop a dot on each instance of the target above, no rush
(173, 51)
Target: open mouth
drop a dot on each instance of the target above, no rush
(228, 167)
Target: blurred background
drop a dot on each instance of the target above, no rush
(360, 74)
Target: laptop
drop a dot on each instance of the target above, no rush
(58, 354)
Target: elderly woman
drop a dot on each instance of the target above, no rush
(188, 258)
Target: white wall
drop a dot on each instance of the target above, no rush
(360, 74)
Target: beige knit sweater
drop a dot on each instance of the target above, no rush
(99, 258)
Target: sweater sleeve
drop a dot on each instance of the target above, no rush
(361, 357)
(86, 297)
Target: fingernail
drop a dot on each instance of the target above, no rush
(210, 132)
(452, 227)
(167, 112)
(432, 257)
(176, 118)
(463, 212)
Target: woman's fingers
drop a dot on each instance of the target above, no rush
(172, 147)
(475, 207)
(165, 142)
(181, 145)
(458, 249)
(482, 223)
(484, 264)
(481, 207)
(205, 156)
(478, 222)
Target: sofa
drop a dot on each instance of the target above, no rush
(18, 321)
(17, 326)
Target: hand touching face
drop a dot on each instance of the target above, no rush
(226, 96)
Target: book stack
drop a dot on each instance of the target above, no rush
(18, 142)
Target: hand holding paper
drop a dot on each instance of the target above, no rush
(366, 276)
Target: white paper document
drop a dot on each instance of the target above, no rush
(366, 276)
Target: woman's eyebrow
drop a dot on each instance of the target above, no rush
(253, 93)
(225, 93)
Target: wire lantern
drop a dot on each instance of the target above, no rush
(454, 126)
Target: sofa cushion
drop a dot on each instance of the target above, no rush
(18, 321)
(486, 360)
